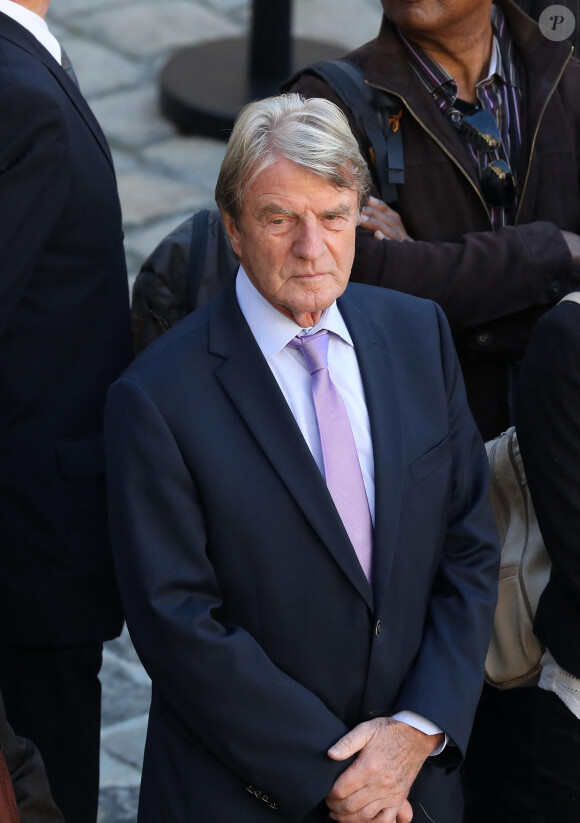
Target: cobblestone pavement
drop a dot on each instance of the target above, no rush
(118, 48)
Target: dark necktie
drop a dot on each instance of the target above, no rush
(341, 464)
(67, 66)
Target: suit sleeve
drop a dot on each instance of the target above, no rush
(33, 184)
(227, 695)
(446, 678)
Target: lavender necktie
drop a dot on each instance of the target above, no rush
(341, 464)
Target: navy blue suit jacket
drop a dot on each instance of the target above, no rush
(64, 337)
(243, 594)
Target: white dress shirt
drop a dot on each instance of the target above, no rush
(273, 331)
(33, 23)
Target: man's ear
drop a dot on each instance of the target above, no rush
(233, 233)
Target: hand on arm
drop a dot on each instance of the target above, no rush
(376, 785)
(385, 222)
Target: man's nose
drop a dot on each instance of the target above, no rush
(309, 243)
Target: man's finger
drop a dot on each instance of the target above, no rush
(405, 813)
(351, 743)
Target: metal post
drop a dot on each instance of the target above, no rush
(270, 45)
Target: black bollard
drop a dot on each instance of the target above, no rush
(202, 88)
(270, 46)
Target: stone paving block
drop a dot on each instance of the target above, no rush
(132, 118)
(194, 159)
(139, 243)
(99, 69)
(113, 772)
(122, 647)
(66, 9)
(125, 161)
(229, 5)
(118, 804)
(120, 690)
(146, 29)
(349, 23)
(145, 197)
(126, 741)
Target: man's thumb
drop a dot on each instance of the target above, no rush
(348, 745)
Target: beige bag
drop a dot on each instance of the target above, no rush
(514, 654)
(513, 658)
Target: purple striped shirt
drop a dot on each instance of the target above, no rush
(499, 93)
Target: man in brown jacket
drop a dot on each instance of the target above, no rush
(493, 270)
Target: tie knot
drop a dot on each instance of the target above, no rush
(314, 348)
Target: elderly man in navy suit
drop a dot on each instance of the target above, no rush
(298, 506)
(64, 337)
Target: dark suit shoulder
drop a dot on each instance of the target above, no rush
(376, 300)
(24, 77)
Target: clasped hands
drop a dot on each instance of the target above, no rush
(375, 786)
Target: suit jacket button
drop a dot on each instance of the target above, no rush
(378, 628)
(484, 338)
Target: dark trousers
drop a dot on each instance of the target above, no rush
(500, 762)
(558, 759)
(523, 759)
(52, 696)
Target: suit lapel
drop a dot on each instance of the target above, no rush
(252, 388)
(384, 409)
(22, 38)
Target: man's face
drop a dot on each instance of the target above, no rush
(296, 239)
(433, 17)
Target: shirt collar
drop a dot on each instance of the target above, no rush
(33, 23)
(440, 83)
(272, 329)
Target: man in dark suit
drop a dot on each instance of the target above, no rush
(64, 337)
(310, 643)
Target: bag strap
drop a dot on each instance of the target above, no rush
(377, 113)
(196, 259)
(573, 297)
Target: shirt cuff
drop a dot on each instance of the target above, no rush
(422, 724)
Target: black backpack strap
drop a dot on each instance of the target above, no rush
(196, 259)
(377, 114)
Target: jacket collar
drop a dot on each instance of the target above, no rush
(542, 62)
(541, 58)
(248, 381)
(19, 36)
